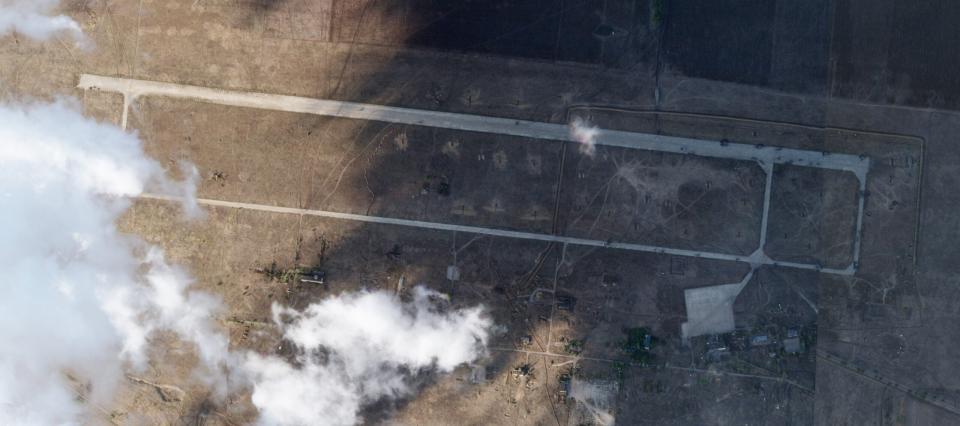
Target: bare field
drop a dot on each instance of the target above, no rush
(813, 216)
(552, 303)
(665, 199)
(564, 312)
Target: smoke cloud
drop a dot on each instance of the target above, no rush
(585, 134)
(595, 400)
(358, 348)
(35, 19)
(79, 300)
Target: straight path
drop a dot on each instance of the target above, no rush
(713, 372)
(132, 88)
(875, 376)
(499, 233)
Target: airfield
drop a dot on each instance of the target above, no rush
(779, 230)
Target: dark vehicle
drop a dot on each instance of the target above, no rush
(313, 276)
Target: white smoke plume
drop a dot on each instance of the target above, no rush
(585, 134)
(79, 300)
(595, 400)
(358, 348)
(36, 19)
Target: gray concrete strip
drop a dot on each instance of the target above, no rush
(764, 155)
(132, 88)
(765, 216)
(489, 231)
